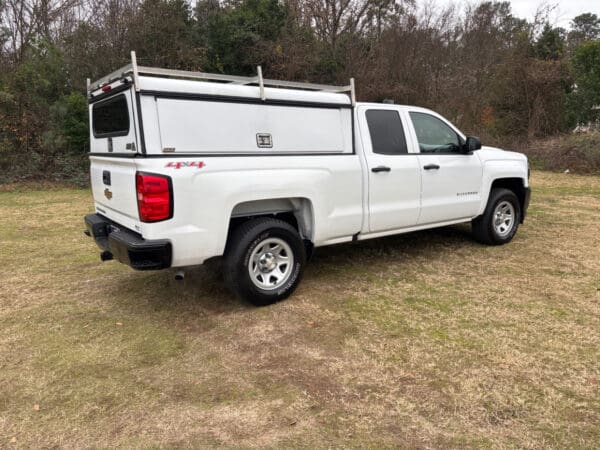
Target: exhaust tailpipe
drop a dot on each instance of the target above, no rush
(180, 275)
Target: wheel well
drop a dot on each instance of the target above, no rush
(286, 216)
(298, 212)
(512, 184)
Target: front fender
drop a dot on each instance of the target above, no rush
(499, 170)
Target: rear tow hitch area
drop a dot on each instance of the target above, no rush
(105, 255)
(126, 246)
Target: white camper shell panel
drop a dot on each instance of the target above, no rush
(183, 116)
(199, 126)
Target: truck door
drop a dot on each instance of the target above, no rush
(451, 179)
(394, 174)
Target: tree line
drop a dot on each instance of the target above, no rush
(492, 73)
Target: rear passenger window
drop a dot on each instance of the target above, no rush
(111, 117)
(387, 134)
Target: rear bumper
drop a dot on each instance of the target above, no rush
(127, 246)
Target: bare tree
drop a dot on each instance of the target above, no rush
(333, 18)
(28, 20)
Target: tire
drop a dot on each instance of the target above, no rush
(499, 222)
(255, 268)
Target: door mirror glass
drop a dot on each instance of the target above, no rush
(473, 143)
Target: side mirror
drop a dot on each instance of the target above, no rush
(473, 143)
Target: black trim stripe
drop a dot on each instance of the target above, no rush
(226, 155)
(114, 155)
(353, 130)
(235, 155)
(248, 100)
(214, 155)
(141, 122)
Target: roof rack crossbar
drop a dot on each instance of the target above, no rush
(258, 80)
(234, 79)
(116, 75)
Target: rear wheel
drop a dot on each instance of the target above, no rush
(264, 260)
(499, 222)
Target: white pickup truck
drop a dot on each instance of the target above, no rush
(187, 166)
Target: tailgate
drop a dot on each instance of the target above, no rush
(113, 147)
(114, 191)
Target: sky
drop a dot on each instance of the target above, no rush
(561, 16)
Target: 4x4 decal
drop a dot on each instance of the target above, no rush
(180, 164)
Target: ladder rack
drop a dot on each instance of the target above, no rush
(135, 71)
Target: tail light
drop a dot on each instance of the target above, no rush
(154, 197)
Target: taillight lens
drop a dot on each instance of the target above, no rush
(154, 197)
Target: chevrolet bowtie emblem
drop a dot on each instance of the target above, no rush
(107, 194)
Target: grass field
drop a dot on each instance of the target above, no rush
(421, 340)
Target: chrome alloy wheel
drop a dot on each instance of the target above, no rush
(504, 218)
(271, 263)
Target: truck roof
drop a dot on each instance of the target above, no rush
(396, 105)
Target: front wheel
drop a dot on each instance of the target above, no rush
(264, 260)
(499, 222)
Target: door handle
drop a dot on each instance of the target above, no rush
(380, 169)
(431, 167)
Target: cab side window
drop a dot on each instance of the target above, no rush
(434, 136)
(387, 134)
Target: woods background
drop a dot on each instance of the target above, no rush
(521, 84)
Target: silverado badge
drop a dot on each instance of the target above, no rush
(107, 194)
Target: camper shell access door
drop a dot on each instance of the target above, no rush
(114, 119)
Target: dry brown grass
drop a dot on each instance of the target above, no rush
(422, 340)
